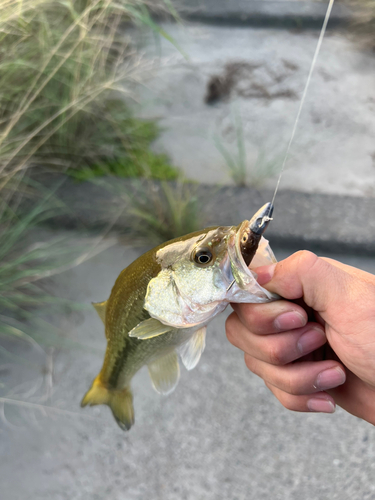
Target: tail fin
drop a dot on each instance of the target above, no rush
(120, 402)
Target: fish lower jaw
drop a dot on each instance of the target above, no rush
(193, 317)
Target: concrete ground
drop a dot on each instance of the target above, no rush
(334, 149)
(220, 435)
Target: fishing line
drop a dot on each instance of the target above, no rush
(317, 50)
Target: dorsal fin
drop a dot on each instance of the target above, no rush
(100, 308)
(191, 351)
(149, 328)
(165, 373)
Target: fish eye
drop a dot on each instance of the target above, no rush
(245, 237)
(203, 256)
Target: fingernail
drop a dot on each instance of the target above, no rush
(330, 378)
(289, 321)
(311, 340)
(321, 405)
(265, 274)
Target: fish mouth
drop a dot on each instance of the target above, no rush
(245, 242)
(259, 222)
(250, 233)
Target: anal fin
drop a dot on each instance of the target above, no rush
(191, 351)
(165, 373)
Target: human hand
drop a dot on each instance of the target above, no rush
(321, 352)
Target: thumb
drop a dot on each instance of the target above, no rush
(304, 275)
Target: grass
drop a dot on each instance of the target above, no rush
(237, 163)
(140, 160)
(159, 212)
(29, 337)
(23, 266)
(27, 258)
(67, 71)
(362, 26)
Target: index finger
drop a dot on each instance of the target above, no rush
(272, 317)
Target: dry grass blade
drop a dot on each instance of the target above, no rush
(63, 67)
(29, 98)
(240, 170)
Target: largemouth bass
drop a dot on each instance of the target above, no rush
(160, 306)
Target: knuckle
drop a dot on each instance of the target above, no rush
(250, 363)
(300, 273)
(270, 387)
(308, 263)
(305, 259)
(275, 355)
(292, 386)
(286, 401)
(248, 315)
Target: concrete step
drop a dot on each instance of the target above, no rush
(266, 13)
(318, 222)
(263, 73)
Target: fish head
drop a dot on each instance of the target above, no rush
(202, 272)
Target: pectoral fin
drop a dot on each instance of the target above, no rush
(191, 351)
(148, 329)
(165, 373)
(100, 308)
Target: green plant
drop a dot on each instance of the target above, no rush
(140, 160)
(361, 26)
(263, 168)
(26, 258)
(238, 164)
(22, 268)
(158, 212)
(66, 68)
